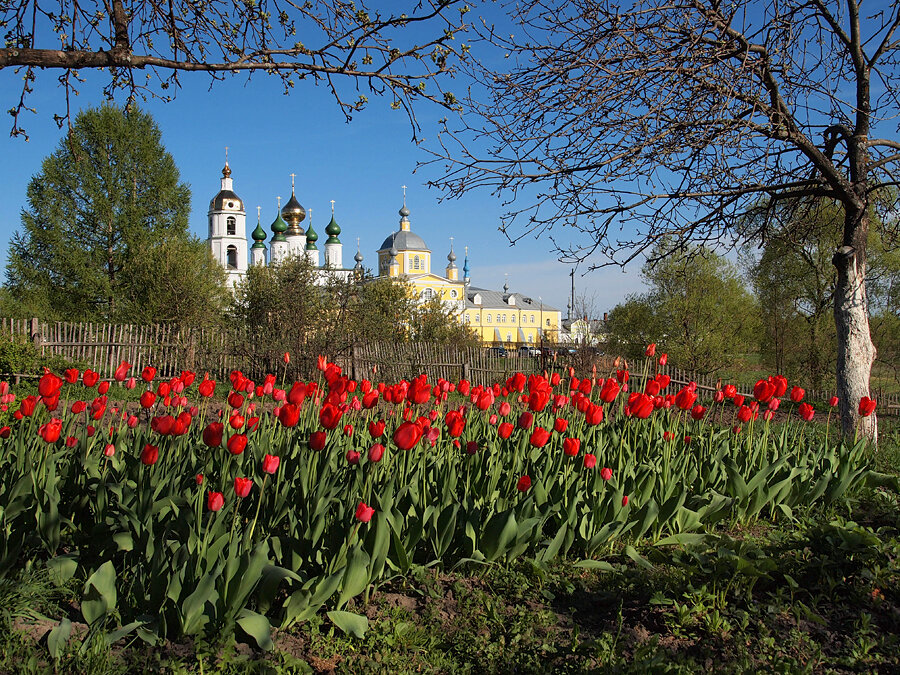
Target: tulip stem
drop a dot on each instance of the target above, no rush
(256, 515)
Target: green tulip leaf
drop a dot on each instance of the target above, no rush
(352, 624)
(256, 626)
(58, 637)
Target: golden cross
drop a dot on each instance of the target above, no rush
(292, 183)
(332, 207)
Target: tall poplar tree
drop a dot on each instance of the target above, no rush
(107, 205)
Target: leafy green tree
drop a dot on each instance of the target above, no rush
(697, 309)
(106, 210)
(794, 280)
(290, 307)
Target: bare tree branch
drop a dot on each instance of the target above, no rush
(403, 55)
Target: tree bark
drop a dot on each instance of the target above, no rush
(855, 350)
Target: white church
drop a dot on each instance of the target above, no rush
(228, 236)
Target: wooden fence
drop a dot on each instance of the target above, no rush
(171, 349)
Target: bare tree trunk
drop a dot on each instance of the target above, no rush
(855, 351)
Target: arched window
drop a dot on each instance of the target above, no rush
(532, 318)
(231, 225)
(416, 262)
(548, 322)
(513, 319)
(488, 318)
(508, 337)
(468, 319)
(427, 294)
(453, 294)
(210, 227)
(231, 262)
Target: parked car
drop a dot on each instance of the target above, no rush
(524, 350)
(498, 352)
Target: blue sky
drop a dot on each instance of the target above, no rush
(361, 165)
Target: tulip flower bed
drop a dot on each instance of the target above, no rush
(181, 519)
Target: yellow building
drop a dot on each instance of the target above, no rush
(494, 316)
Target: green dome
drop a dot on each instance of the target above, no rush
(279, 227)
(311, 239)
(333, 230)
(259, 236)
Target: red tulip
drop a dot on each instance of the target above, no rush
(149, 455)
(526, 420)
(71, 375)
(78, 407)
(697, 412)
(376, 429)
(455, 423)
(738, 400)
(286, 358)
(121, 371)
(571, 446)
(780, 383)
(51, 431)
(539, 437)
(685, 398)
(408, 435)
(663, 359)
(5, 432)
(833, 402)
(729, 391)
(744, 414)
(364, 513)
(90, 378)
(625, 500)
(651, 388)
(866, 406)
(207, 387)
(148, 374)
(605, 473)
(641, 407)
(236, 444)
(504, 409)
(317, 440)
(763, 391)
(270, 463)
(212, 434)
(471, 447)
(376, 452)
(148, 398)
(560, 425)
(27, 405)
(330, 416)
(590, 461)
(215, 501)
(352, 457)
(289, 415)
(49, 384)
(805, 410)
(109, 450)
(593, 414)
(523, 484)
(797, 394)
(504, 430)
(650, 351)
(609, 391)
(242, 486)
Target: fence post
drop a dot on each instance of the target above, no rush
(36, 332)
(353, 366)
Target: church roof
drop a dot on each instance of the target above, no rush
(497, 300)
(226, 199)
(404, 240)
